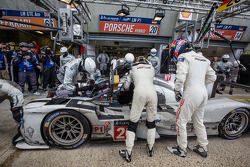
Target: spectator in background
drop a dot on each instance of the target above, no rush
(49, 69)
(10, 55)
(38, 68)
(37, 47)
(26, 64)
(3, 64)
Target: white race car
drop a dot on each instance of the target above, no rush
(70, 122)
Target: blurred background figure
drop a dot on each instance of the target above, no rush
(234, 73)
(38, 68)
(10, 55)
(49, 69)
(4, 73)
(26, 64)
(154, 60)
(103, 60)
(223, 68)
(65, 57)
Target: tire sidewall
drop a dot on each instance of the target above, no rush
(221, 127)
(51, 116)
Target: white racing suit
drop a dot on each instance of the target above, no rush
(103, 60)
(67, 77)
(155, 61)
(66, 59)
(193, 73)
(223, 69)
(11, 90)
(142, 76)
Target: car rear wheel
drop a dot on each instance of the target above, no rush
(66, 129)
(234, 124)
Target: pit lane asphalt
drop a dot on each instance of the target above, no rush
(228, 153)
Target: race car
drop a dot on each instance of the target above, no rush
(70, 122)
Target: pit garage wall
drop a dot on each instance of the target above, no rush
(167, 24)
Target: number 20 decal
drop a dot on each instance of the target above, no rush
(120, 132)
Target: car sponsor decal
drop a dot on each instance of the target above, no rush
(181, 59)
(120, 128)
(30, 131)
(98, 129)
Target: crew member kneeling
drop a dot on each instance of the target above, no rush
(193, 73)
(11, 90)
(142, 75)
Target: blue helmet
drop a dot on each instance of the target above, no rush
(179, 46)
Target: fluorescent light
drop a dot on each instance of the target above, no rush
(39, 32)
(159, 14)
(124, 11)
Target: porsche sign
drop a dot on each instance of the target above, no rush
(228, 4)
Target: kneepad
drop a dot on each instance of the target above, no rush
(150, 125)
(132, 126)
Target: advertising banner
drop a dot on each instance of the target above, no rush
(128, 25)
(231, 32)
(35, 17)
(228, 4)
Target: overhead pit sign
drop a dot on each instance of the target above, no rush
(128, 25)
(36, 17)
(228, 4)
(231, 32)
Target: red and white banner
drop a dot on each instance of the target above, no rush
(231, 32)
(128, 25)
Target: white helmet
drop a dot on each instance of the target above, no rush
(63, 49)
(130, 58)
(225, 56)
(153, 52)
(236, 63)
(89, 65)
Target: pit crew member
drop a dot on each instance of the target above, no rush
(69, 73)
(142, 73)
(193, 73)
(154, 60)
(65, 57)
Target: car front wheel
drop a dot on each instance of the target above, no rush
(234, 124)
(66, 129)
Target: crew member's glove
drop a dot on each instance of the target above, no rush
(242, 67)
(178, 95)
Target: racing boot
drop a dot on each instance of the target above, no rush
(125, 155)
(200, 150)
(150, 151)
(217, 91)
(177, 151)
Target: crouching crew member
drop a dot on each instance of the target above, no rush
(13, 92)
(142, 75)
(193, 73)
(68, 74)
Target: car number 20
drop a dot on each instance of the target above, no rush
(153, 30)
(120, 133)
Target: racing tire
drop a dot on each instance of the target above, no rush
(66, 129)
(234, 124)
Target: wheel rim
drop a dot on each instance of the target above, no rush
(236, 123)
(66, 130)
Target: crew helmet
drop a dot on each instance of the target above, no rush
(88, 65)
(179, 46)
(153, 52)
(225, 56)
(63, 49)
(129, 58)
